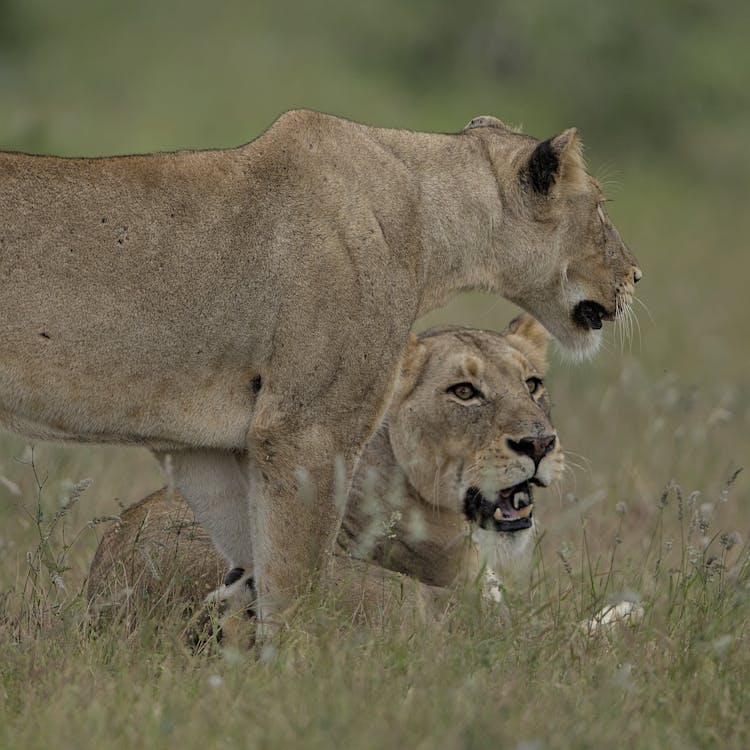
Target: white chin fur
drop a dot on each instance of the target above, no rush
(504, 552)
(580, 347)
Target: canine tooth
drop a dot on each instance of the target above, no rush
(524, 512)
(518, 498)
(498, 514)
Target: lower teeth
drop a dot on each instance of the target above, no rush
(524, 512)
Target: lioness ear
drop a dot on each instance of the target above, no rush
(485, 121)
(411, 363)
(530, 337)
(556, 161)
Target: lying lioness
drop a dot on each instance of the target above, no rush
(257, 302)
(444, 489)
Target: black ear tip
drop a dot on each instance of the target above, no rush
(543, 167)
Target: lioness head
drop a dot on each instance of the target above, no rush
(470, 426)
(570, 268)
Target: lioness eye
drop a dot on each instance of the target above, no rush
(534, 385)
(464, 391)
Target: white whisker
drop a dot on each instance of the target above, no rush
(644, 306)
(585, 464)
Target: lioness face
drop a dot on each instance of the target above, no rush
(568, 267)
(470, 423)
(595, 279)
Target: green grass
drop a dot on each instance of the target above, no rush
(472, 679)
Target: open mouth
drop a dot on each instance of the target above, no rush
(509, 511)
(590, 315)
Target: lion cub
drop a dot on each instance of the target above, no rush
(444, 489)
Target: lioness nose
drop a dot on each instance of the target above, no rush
(535, 448)
(637, 274)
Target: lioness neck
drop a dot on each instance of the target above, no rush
(389, 522)
(438, 199)
(458, 212)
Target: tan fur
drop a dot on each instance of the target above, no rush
(405, 513)
(255, 302)
(157, 559)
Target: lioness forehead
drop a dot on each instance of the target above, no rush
(474, 354)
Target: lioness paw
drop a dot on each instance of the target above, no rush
(236, 594)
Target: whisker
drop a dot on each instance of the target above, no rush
(585, 462)
(638, 328)
(606, 345)
(570, 465)
(644, 306)
(569, 475)
(626, 328)
(640, 337)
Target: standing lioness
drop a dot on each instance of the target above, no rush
(258, 299)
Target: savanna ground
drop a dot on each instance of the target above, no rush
(657, 427)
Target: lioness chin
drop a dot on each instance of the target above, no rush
(443, 492)
(245, 310)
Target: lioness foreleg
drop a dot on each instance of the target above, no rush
(300, 475)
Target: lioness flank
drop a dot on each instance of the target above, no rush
(245, 310)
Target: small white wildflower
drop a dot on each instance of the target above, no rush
(390, 525)
(693, 498)
(57, 580)
(623, 679)
(729, 540)
(721, 644)
(621, 508)
(268, 653)
(340, 483)
(706, 514)
(718, 415)
(625, 612)
(215, 680)
(416, 526)
(306, 490)
(168, 471)
(233, 655)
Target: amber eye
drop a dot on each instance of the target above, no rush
(534, 385)
(464, 391)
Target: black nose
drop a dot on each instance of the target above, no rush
(536, 448)
(637, 275)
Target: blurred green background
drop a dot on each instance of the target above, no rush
(660, 93)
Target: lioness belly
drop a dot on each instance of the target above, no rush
(166, 412)
(121, 315)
